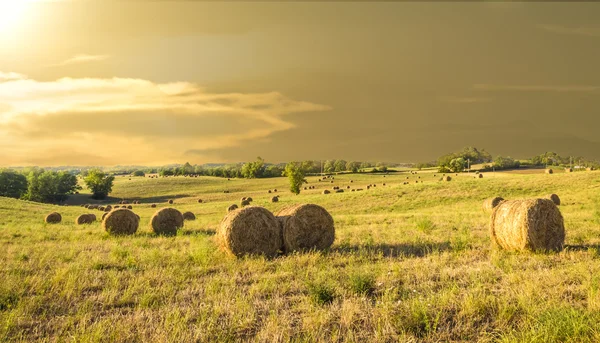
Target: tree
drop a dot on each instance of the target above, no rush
(50, 186)
(381, 167)
(254, 169)
(506, 163)
(329, 167)
(457, 165)
(99, 183)
(12, 184)
(295, 173)
(138, 173)
(339, 166)
(353, 166)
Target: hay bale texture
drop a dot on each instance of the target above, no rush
(532, 224)
(306, 227)
(166, 221)
(251, 230)
(555, 199)
(232, 208)
(491, 203)
(549, 171)
(85, 219)
(121, 222)
(53, 218)
(189, 216)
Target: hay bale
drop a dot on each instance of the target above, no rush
(243, 199)
(199, 201)
(189, 216)
(53, 218)
(306, 227)
(92, 216)
(82, 205)
(568, 170)
(153, 205)
(117, 206)
(589, 168)
(274, 199)
(446, 178)
(121, 222)
(130, 207)
(232, 208)
(339, 191)
(249, 199)
(245, 203)
(250, 231)
(269, 191)
(532, 224)
(101, 208)
(104, 215)
(170, 202)
(166, 221)
(555, 199)
(108, 208)
(225, 192)
(549, 171)
(480, 176)
(85, 219)
(491, 203)
(275, 190)
(326, 191)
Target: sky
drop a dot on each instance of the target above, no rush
(109, 82)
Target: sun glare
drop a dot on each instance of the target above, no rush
(11, 13)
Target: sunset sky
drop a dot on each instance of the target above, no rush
(154, 82)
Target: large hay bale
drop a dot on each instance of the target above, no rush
(53, 218)
(532, 224)
(555, 199)
(306, 227)
(549, 171)
(166, 221)
(121, 222)
(491, 203)
(93, 216)
(232, 208)
(85, 219)
(245, 202)
(189, 216)
(251, 230)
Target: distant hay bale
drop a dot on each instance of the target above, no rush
(117, 206)
(108, 208)
(82, 205)
(348, 187)
(589, 168)
(232, 208)
(101, 208)
(166, 221)
(555, 199)
(84, 219)
(480, 176)
(326, 191)
(549, 171)
(491, 203)
(53, 218)
(199, 201)
(532, 224)
(275, 190)
(250, 231)
(153, 205)
(104, 215)
(170, 201)
(130, 207)
(269, 191)
(351, 181)
(306, 227)
(446, 178)
(121, 222)
(245, 203)
(568, 170)
(339, 191)
(249, 199)
(274, 199)
(189, 216)
(226, 192)
(243, 199)
(93, 216)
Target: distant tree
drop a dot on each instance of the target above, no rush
(339, 165)
(50, 186)
(382, 167)
(329, 167)
(99, 183)
(138, 173)
(166, 172)
(365, 165)
(505, 163)
(353, 166)
(422, 165)
(295, 174)
(12, 184)
(254, 169)
(273, 171)
(457, 165)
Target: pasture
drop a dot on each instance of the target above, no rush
(410, 263)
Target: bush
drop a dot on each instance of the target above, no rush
(12, 184)
(321, 293)
(138, 173)
(99, 183)
(50, 186)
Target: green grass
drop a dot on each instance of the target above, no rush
(409, 263)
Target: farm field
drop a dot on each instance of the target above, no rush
(410, 263)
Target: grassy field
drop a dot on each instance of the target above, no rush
(410, 263)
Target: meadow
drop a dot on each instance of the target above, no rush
(410, 263)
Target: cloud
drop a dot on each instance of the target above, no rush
(82, 58)
(463, 100)
(582, 31)
(537, 88)
(121, 120)
(10, 76)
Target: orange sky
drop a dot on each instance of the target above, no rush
(103, 82)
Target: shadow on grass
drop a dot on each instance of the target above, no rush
(183, 232)
(394, 250)
(80, 199)
(592, 247)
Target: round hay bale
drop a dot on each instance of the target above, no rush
(153, 205)
(117, 206)
(101, 208)
(480, 176)
(189, 216)
(249, 199)
(245, 203)
(269, 191)
(199, 201)
(82, 205)
(53, 218)
(166, 221)
(130, 207)
(339, 191)
(446, 178)
(306, 227)
(532, 224)
(104, 215)
(326, 191)
(92, 216)
(121, 222)
(225, 192)
(108, 208)
(243, 199)
(275, 190)
(568, 170)
(232, 208)
(171, 202)
(85, 219)
(549, 171)
(250, 231)
(555, 199)
(274, 199)
(491, 203)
